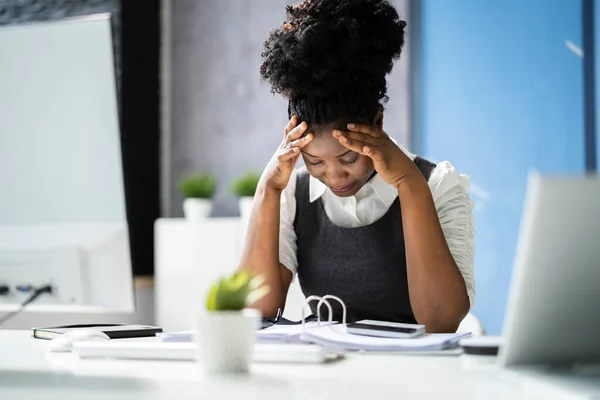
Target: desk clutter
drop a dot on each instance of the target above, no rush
(309, 340)
(335, 336)
(359, 336)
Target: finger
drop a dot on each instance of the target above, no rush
(288, 154)
(374, 153)
(357, 137)
(352, 144)
(303, 141)
(296, 132)
(366, 129)
(291, 125)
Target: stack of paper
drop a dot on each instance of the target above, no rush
(178, 337)
(336, 337)
(272, 334)
(285, 333)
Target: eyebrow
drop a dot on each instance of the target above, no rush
(341, 155)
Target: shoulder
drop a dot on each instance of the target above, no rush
(447, 184)
(445, 177)
(299, 180)
(425, 166)
(442, 176)
(300, 173)
(290, 189)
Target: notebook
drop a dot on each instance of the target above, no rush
(113, 331)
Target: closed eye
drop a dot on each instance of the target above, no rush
(349, 162)
(316, 163)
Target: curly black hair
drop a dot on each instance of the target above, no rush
(331, 57)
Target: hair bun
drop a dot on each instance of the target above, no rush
(327, 47)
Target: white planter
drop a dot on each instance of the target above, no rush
(197, 209)
(226, 340)
(245, 204)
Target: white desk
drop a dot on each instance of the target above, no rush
(28, 372)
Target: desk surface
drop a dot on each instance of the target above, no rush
(27, 370)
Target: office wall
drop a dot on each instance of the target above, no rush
(218, 116)
(500, 93)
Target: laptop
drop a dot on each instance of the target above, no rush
(553, 310)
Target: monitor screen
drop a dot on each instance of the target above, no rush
(62, 199)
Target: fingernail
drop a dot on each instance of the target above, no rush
(336, 133)
(351, 125)
(344, 139)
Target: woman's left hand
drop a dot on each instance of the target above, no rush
(389, 160)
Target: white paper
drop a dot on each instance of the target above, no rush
(336, 337)
(275, 333)
(285, 333)
(178, 337)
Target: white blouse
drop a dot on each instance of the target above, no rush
(373, 200)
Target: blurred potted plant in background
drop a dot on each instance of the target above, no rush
(197, 188)
(245, 188)
(227, 330)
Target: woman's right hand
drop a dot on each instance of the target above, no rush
(278, 171)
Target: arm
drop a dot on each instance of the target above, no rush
(262, 247)
(261, 250)
(437, 289)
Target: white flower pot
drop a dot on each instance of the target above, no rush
(245, 204)
(226, 340)
(197, 209)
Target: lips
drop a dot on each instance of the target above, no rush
(342, 190)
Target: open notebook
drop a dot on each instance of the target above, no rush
(332, 334)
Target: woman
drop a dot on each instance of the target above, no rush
(388, 232)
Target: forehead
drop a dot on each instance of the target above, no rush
(318, 129)
(324, 145)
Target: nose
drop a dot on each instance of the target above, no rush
(336, 177)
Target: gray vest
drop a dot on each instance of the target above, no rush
(364, 266)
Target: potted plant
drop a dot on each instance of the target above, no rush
(197, 189)
(245, 188)
(227, 330)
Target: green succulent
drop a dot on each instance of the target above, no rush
(198, 185)
(236, 292)
(245, 185)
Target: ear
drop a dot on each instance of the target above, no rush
(379, 119)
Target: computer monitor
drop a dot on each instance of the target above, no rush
(62, 199)
(553, 312)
